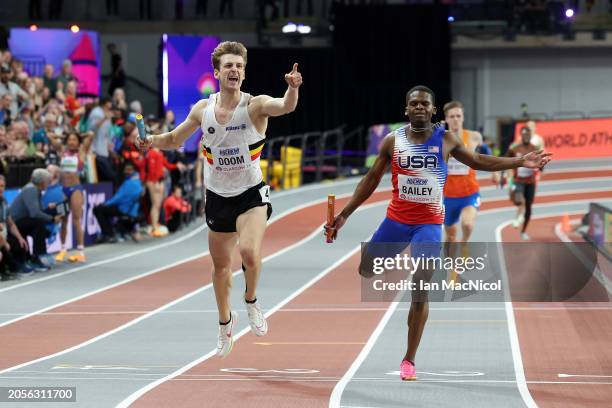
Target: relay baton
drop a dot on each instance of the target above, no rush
(141, 127)
(331, 204)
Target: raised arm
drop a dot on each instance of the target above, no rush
(367, 185)
(175, 138)
(264, 105)
(485, 162)
(86, 144)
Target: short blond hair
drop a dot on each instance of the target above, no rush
(452, 105)
(228, 47)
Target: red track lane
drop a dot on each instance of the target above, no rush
(550, 176)
(148, 293)
(539, 229)
(205, 381)
(324, 341)
(60, 332)
(564, 338)
(552, 199)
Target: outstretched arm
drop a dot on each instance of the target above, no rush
(175, 138)
(485, 162)
(265, 105)
(366, 186)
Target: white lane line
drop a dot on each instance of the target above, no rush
(153, 271)
(560, 375)
(578, 169)
(599, 275)
(558, 170)
(320, 186)
(105, 261)
(150, 386)
(137, 394)
(187, 236)
(96, 291)
(519, 371)
(280, 194)
(516, 352)
(514, 342)
(546, 183)
(325, 309)
(336, 396)
(542, 205)
(553, 192)
(316, 231)
(357, 406)
(337, 393)
(435, 380)
(306, 380)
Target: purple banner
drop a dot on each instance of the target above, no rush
(187, 76)
(95, 194)
(53, 46)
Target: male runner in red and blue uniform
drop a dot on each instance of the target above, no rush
(418, 154)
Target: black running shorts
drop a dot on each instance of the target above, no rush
(222, 212)
(526, 189)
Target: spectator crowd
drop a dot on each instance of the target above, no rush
(69, 141)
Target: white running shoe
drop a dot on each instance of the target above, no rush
(525, 237)
(518, 221)
(257, 320)
(226, 336)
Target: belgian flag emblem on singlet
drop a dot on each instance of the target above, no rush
(232, 155)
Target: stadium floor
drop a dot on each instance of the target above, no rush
(137, 325)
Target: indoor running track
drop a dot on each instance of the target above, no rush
(137, 325)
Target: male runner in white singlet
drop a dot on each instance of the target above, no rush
(237, 200)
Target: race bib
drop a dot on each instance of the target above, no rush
(231, 159)
(418, 189)
(265, 194)
(456, 168)
(524, 172)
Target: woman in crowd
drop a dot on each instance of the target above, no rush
(73, 154)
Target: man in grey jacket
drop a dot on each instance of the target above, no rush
(29, 216)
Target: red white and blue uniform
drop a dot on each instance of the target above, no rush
(416, 212)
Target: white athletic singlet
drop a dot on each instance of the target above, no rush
(232, 150)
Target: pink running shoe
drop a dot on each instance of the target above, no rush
(407, 371)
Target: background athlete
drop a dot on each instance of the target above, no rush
(73, 155)
(417, 154)
(523, 186)
(461, 191)
(237, 200)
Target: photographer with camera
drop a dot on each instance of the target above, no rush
(31, 220)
